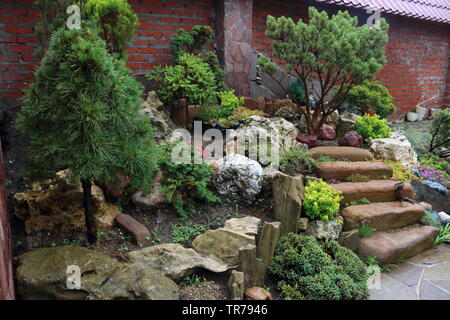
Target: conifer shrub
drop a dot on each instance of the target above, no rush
(308, 269)
(440, 130)
(372, 96)
(82, 114)
(372, 127)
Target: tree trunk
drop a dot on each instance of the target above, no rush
(313, 126)
(91, 231)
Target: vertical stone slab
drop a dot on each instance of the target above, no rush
(270, 234)
(288, 193)
(234, 38)
(251, 266)
(236, 285)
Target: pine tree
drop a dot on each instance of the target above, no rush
(82, 114)
(334, 51)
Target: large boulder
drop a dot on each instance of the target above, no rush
(58, 203)
(326, 132)
(425, 193)
(324, 230)
(238, 177)
(291, 115)
(175, 261)
(159, 118)
(395, 148)
(277, 133)
(225, 242)
(43, 274)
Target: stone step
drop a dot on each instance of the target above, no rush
(374, 190)
(383, 215)
(342, 153)
(342, 169)
(395, 246)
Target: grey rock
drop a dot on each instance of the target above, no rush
(444, 218)
(437, 186)
(302, 224)
(395, 148)
(175, 261)
(350, 239)
(431, 196)
(247, 225)
(324, 230)
(236, 285)
(159, 118)
(345, 123)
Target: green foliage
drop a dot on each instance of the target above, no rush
(184, 233)
(52, 17)
(357, 177)
(184, 183)
(194, 42)
(82, 114)
(322, 46)
(190, 78)
(193, 280)
(364, 229)
(372, 127)
(116, 22)
(229, 102)
(307, 269)
(399, 172)
(295, 156)
(372, 96)
(321, 200)
(440, 130)
(355, 203)
(325, 159)
(297, 92)
(444, 234)
(429, 219)
(432, 161)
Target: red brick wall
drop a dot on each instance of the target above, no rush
(418, 53)
(159, 19)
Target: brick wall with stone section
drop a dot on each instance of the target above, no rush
(418, 53)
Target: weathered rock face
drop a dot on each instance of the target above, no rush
(238, 177)
(326, 132)
(436, 186)
(277, 133)
(342, 153)
(42, 274)
(175, 261)
(430, 195)
(59, 203)
(350, 239)
(159, 118)
(396, 148)
(326, 230)
(291, 115)
(154, 199)
(351, 139)
(225, 242)
(345, 123)
(343, 169)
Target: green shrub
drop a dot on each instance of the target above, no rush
(184, 183)
(355, 203)
(190, 78)
(297, 92)
(440, 130)
(372, 96)
(229, 102)
(321, 201)
(194, 42)
(399, 172)
(82, 114)
(116, 22)
(372, 127)
(183, 233)
(296, 156)
(307, 269)
(444, 234)
(429, 219)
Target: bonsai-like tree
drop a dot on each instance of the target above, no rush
(82, 114)
(335, 51)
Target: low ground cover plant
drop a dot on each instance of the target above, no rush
(399, 172)
(321, 201)
(297, 158)
(429, 219)
(308, 269)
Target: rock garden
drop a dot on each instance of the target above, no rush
(190, 191)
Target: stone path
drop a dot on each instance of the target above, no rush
(423, 277)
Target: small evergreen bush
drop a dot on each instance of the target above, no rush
(372, 127)
(372, 96)
(190, 78)
(440, 130)
(321, 201)
(308, 269)
(297, 156)
(429, 219)
(184, 183)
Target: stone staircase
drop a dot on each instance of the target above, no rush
(397, 233)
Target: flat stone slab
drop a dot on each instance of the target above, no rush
(383, 215)
(134, 228)
(375, 190)
(342, 153)
(392, 289)
(396, 246)
(344, 169)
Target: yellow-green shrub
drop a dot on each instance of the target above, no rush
(399, 172)
(321, 201)
(372, 127)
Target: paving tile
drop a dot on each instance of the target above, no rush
(439, 271)
(392, 289)
(430, 292)
(431, 257)
(407, 273)
(443, 284)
